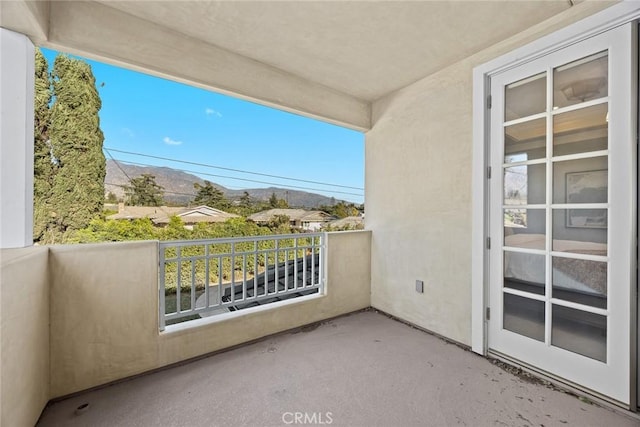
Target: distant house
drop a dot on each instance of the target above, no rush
(350, 222)
(161, 215)
(191, 216)
(298, 218)
(139, 212)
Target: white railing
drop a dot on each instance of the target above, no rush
(201, 278)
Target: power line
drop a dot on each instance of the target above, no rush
(234, 170)
(248, 180)
(163, 190)
(117, 164)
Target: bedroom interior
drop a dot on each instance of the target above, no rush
(575, 230)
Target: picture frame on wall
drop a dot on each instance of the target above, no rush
(586, 187)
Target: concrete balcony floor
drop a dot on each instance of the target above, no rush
(359, 370)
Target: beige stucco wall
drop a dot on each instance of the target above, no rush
(103, 313)
(418, 191)
(24, 335)
(104, 301)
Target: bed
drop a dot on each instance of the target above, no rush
(575, 276)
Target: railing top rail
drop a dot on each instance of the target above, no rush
(222, 240)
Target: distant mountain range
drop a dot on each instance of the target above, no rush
(179, 188)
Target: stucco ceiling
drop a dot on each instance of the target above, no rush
(364, 49)
(326, 59)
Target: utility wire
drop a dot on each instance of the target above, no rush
(163, 190)
(247, 179)
(176, 193)
(117, 164)
(234, 170)
(129, 178)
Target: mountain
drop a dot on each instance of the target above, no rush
(179, 188)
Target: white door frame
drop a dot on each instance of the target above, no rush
(610, 18)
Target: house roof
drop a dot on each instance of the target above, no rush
(151, 212)
(199, 214)
(293, 214)
(351, 221)
(323, 59)
(163, 214)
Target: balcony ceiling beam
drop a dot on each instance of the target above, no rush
(103, 33)
(27, 17)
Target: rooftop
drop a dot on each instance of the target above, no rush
(350, 221)
(293, 214)
(361, 369)
(163, 214)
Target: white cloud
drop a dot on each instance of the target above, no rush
(170, 141)
(128, 132)
(212, 112)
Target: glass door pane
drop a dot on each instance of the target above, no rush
(525, 97)
(580, 81)
(525, 141)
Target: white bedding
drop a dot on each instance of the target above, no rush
(568, 273)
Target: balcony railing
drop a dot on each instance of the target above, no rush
(200, 278)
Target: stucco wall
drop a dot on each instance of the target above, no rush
(418, 191)
(104, 321)
(24, 333)
(418, 197)
(103, 313)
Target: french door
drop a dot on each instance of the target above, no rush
(561, 209)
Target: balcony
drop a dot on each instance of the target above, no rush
(414, 76)
(83, 316)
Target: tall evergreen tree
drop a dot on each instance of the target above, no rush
(77, 193)
(210, 196)
(43, 167)
(245, 200)
(275, 202)
(144, 191)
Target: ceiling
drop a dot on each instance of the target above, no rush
(364, 49)
(349, 52)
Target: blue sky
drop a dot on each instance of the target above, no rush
(150, 115)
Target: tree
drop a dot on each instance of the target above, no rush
(210, 196)
(174, 230)
(144, 191)
(245, 200)
(42, 165)
(273, 200)
(111, 197)
(115, 230)
(279, 222)
(276, 203)
(70, 187)
(341, 209)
